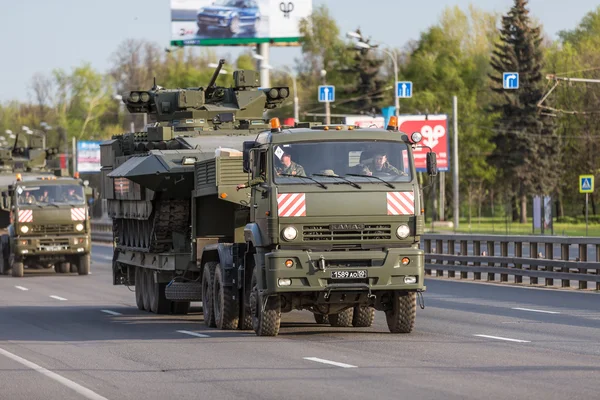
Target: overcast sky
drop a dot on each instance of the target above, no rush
(40, 35)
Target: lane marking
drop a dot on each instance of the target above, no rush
(21, 288)
(193, 334)
(532, 310)
(111, 312)
(85, 392)
(503, 338)
(58, 298)
(337, 364)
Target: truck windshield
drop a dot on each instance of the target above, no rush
(368, 161)
(50, 194)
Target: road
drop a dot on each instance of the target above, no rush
(72, 337)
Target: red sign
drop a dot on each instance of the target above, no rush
(434, 129)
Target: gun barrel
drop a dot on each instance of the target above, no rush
(213, 80)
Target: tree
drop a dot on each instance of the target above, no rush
(525, 152)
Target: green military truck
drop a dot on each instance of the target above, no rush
(330, 223)
(43, 213)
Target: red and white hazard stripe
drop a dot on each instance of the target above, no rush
(291, 204)
(25, 216)
(400, 203)
(78, 214)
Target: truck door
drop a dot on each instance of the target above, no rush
(260, 193)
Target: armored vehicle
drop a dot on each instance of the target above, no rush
(314, 227)
(43, 212)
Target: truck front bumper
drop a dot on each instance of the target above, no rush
(33, 246)
(344, 270)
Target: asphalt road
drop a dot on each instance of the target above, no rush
(72, 337)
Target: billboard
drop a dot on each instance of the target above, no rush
(237, 22)
(364, 121)
(434, 129)
(88, 156)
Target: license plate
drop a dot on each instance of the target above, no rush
(53, 248)
(349, 274)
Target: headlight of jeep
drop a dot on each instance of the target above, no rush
(24, 229)
(79, 227)
(403, 231)
(289, 233)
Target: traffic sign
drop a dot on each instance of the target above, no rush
(404, 90)
(586, 183)
(326, 93)
(510, 80)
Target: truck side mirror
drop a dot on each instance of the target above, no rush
(431, 164)
(246, 155)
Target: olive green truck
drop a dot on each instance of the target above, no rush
(326, 219)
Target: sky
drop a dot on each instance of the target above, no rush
(41, 35)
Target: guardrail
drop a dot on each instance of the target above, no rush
(517, 256)
(526, 258)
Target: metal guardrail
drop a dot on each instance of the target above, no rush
(517, 256)
(473, 255)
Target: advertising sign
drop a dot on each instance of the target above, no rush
(434, 129)
(237, 22)
(88, 156)
(364, 121)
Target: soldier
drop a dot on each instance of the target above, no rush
(290, 167)
(380, 164)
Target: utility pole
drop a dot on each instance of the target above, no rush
(327, 109)
(455, 160)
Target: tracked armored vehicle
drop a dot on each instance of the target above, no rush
(330, 237)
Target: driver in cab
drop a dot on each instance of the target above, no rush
(380, 164)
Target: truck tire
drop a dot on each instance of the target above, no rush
(401, 318)
(363, 317)
(342, 319)
(321, 318)
(18, 270)
(267, 322)
(208, 281)
(83, 268)
(146, 292)
(152, 292)
(180, 307)
(139, 288)
(225, 301)
(5, 267)
(158, 301)
(62, 268)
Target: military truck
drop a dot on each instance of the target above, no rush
(43, 212)
(331, 237)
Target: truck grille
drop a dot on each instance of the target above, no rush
(323, 233)
(53, 229)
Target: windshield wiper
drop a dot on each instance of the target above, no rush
(374, 177)
(356, 185)
(307, 177)
(54, 204)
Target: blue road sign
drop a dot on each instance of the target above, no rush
(586, 183)
(510, 80)
(404, 90)
(326, 93)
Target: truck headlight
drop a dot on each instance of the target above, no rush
(79, 227)
(24, 229)
(289, 233)
(403, 231)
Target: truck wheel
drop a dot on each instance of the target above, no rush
(83, 268)
(146, 281)
(363, 317)
(267, 322)
(152, 292)
(225, 303)
(401, 318)
(208, 281)
(5, 268)
(159, 302)
(321, 318)
(18, 270)
(62, 268)
(139, 288)
(180, 307)
(342, 319)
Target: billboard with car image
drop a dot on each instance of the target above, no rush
(237, 22)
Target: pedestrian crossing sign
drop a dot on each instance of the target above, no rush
(586, 183)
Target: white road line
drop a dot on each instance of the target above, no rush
(337, 364)
(503, 338)
(193, 334)
(58, 298)
(111, 312)
(21, 288)
(85, 392)
(532, 310)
